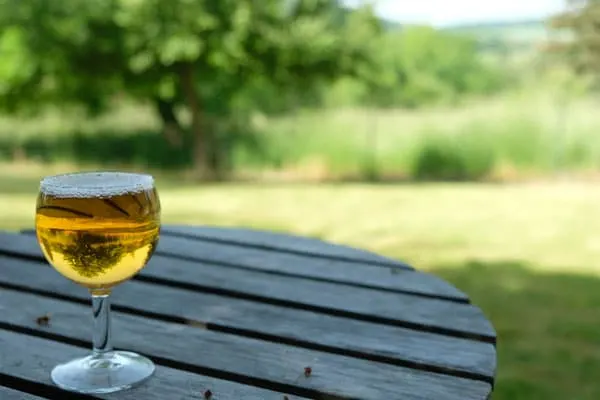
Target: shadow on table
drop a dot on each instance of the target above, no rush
(548, 328)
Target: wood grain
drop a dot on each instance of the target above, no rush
(10, 394)
(240, 359)
(281, 242)
(324, 269)
(32, 358)
(390, 344)
(439, 316)
(356, 273)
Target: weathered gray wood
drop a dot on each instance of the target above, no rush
(390, 344)
(405, 310)
(281, 242)
(32, 358)
(364, 274)
(10, 394)
(337, 376)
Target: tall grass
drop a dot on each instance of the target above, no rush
(514, 135)
(507, 137)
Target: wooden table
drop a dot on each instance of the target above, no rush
(243, 314)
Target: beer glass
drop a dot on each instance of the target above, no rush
(98, 229)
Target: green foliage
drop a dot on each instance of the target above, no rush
(417, 66)
(86, 50)
(505, 138)
(72, 51)
(222, 61)
(579, 47)
(17, 66)
(240, 49)
(438, 65)
(202, 54)
(462, 158)
(110, 148)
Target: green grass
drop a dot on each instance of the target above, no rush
(526, 253)
(518, 135)
(513, 136)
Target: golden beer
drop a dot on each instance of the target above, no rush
(98, 229)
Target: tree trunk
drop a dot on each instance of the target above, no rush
(202, 169)
(171, 126)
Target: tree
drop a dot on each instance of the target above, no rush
(196, 53)
(582, 47)
(421, 65)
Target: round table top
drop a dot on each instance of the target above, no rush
(244, 314)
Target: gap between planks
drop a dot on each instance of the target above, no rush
(180, 320)
(34, 356)
(367, 256)
(488, 337)
(279, 381)
(389, 279)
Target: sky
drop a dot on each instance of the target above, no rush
(452, 12)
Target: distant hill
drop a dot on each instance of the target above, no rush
(513, 33)
(509, 36)
(510, 40)
(517, 33)
(390, 25)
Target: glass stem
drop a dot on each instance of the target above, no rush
(102, 334)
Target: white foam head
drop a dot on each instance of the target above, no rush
(95, 184)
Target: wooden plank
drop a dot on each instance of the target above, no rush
(390, 344)
(462, 320)
(243, 359)
(32, 358)
(329, 270)
(362, 274)
(281, 242)
(11, 394)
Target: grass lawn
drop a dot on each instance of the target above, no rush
(526, 253)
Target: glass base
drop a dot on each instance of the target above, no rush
(105, 373)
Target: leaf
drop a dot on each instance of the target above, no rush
(141, 61)
(184, 47)
(167, 87)
(17, 64)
